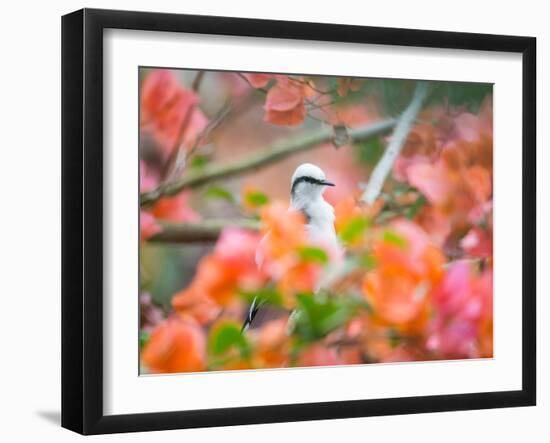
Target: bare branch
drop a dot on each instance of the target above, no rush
(402, 128)
(204, 231)
(276, 152)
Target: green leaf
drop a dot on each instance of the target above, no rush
(320, 315)
(367, 261)
(313, 254)
(394, 238)
(411, 210)
(226, 336)
(267, 295)
(467, 95)
(354, 229)
(143, 338)
(217, 192)
(199, 161)
(394, 338)
(256, 199)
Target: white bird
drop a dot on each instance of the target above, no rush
(306, 195)
(307, 186)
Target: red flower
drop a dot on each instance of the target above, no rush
(175, 209)
(167, 108)
(319, 355)
(258, 80)
(284, 104)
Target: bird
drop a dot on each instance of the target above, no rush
(307, 185)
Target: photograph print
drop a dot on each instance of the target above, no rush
(291, 220)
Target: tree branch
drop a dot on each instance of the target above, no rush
(198, 232)
(195, 86)
(276, 152)
(402, 128)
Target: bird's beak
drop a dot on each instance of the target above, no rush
(327, 183)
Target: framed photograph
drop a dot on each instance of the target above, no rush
(270, 221)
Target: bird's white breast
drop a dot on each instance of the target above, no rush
(320, 223)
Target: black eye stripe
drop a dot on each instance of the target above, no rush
(306, 179)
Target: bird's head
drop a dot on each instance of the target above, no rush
(308, 183)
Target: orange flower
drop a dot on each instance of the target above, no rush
(279, 252)
(352, 220)
(408, 266)
(345, 211)
(195, 304)
(216, 279)
(299, 277)
(273, 345)
(398, 298)
(175, 346)
(220, 275)
(284, 230)
(236, 365)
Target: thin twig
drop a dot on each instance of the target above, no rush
(312, 105)
(197, 81)
(395, 145)
(172, 165)
(211, 126)
(308, 84)
(262, 158)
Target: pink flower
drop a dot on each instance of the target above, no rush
(463, 321)
(147, 180)
(236, 249)
(147, 226)
(432, 180)
(235, 245)
(478, 243)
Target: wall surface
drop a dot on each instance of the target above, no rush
(30, 220)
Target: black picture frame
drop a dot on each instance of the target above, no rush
(82, 220)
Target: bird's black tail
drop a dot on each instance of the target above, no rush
(252, 311)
